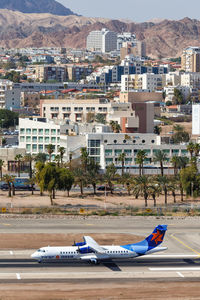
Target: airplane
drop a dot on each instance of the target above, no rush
(90, 251)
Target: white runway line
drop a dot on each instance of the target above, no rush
(180, 274)
(11, 252)
(171, 256)
(18, 276)
(175, 269)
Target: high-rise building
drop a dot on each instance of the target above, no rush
(126, 37)
(103, 41)
(51, 73)
(190, 59)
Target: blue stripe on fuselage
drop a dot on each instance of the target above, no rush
(140, 248)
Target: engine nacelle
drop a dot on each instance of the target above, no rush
(85, 250)
(94, 261)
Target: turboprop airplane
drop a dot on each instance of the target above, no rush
(90, 251)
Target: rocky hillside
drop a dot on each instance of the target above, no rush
(163, 39)
(36, 6)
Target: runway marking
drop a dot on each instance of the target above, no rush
(175, 269)
(185, 245)
(180, 274)
(4, 224)
(169, 256)
(18, 276)
(11, 252)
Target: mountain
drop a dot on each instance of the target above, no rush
(163, 39)
(36, 6)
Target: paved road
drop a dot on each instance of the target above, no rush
(180, 262)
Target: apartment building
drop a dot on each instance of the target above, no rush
(78, 72)
(191, 80)
(103, 41)
(146, 82)
(105, 149)
(9, 96)
(190, 59)
(196, 119)
(46, 73)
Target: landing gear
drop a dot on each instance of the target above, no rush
(94, 261)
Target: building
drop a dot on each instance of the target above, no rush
(105, 148)
(125, 37)
(9, 95)
(141, 96)
(46, 73)
(190, 59)
(145, 112)
(102, 41)
(196, 119)
(146, 82)
(78, 72)
(191, 80)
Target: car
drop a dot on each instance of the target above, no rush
(103, 188)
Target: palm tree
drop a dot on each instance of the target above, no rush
(3, 141)
(173, 186)
(40, 181)
(157, 130)
(1, 168)
(141, 156)
(115, 126)
(190, 148)
(30, 158)
(160, 156)
(61, 150)
(93, 174)
(50, 150)
(175, 162)
(121, 158)
(163, 181)
(154, 190)
(84, 158)
(42, 157)
(142, 183)
(110, 176)
(196, 149)
(18, 158)
(80, 178)
(57, 160)
(9, 180)
(127, 181)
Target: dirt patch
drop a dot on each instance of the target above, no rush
(34, 241)
(110, 290)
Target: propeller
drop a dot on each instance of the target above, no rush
(74, 244)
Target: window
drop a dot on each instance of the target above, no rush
(143, 141)
(22, 138)
(28, 138)
(94, 143)
(40, 131)
(58, 140)
(153, 141)
(53, 139)
(46, 139)
(34, 131)
(108, 152)
(22, 130)
(118, 152)
(53, 131)
(34, 139)
(40, 147)
(124, 141)
(28, 147)
(128, 151)
(47, 131)
(40, 139)
(115, 141)
(28, 130)
(34, 147)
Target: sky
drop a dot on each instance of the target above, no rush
(135, 10)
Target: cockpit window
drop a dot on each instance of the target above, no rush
(40, 250)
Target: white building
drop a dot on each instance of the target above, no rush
(126, 37)
(196, 119)
(9, 96)
(146, 82)
(103, 41)
(191, 80)
(169, 91)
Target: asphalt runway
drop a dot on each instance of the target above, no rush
(180, 262)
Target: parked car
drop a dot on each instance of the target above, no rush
(103, 188)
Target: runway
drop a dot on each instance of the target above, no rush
(181, 262)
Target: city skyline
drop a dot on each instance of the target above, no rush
(134, 10)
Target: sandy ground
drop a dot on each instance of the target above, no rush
(105, 291)
(25, 199)
(168, 128)
(34, 241)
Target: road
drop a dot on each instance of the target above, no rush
(180, 262)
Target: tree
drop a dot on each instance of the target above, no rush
(61, 150)
(142, 183)
(163, 181)
(50, 150)
(154, 190)
(3, 141)
(157, 130)
(140, 158)
(39, 179)
(66, 180)
(190, 180)
(180, 135)
(127, 181)
(41, 157)
(190, 149)
(93, 174)
(110, 176)
(49, 175)
(173, 186)
(175, 163)
(178, 97)
(115, 126)
(160, 157)
(84, 158)
(1, 168)
(19, 159)
(8, 118)
(100, 118)
(9, 180)
(196, 149)
(32, 181)
(30, 158)
(121, 158)
(57, 160)
(80, 178)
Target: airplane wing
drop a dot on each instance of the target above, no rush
(93, 244)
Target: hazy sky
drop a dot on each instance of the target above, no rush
(136, 10)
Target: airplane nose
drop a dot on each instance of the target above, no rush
(34, 255)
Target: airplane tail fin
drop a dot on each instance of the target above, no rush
(157, 236)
